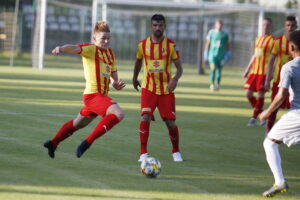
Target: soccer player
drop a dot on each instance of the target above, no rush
(256, 70)
(158, 53)
(217, 52)
(280, 53)
(99, 68)
(287, 129)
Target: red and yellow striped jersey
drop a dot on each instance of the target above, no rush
(98, 65)
(262, 52)
(281, 50)
(157, 63)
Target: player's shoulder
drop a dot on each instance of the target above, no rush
(86, 44)
(144, 40)
(170, 40)
(278, 38)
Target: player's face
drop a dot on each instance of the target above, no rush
(290, 26)
(218, 25)
(101, 39)
(267, 25)
(158, 28)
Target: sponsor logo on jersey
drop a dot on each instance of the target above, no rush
(156, 70)
(156, 64)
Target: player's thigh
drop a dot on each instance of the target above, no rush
(98, 103)
(166, 106)
(149, 102)
(287, 129)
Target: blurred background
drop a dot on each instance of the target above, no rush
(32, 28)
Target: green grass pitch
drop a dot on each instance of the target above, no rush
(224, 159)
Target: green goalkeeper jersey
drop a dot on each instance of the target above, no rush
(218, 46)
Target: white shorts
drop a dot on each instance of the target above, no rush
(287, 129)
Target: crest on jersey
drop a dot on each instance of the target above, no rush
(107, 68)
(156, 63)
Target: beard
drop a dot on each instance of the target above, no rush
(158, 34)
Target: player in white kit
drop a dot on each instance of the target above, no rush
(287, 129)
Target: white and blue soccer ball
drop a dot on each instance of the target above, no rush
(151, 167)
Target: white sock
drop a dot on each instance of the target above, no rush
(274, 160)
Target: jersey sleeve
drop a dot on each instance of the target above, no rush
(139, 52)
(275, 49)
(86, 49)
(208, 37)
(174, 52)
(285, 76)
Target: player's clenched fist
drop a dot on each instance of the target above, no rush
(56, 50)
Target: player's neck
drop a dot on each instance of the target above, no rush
(156, 40)
(287, 35)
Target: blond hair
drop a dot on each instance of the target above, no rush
(101, 26)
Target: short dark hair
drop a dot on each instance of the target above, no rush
(291, 18)
(268, 19)
(295, 38)
(158, 17)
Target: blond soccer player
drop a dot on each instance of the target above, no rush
(99, 69)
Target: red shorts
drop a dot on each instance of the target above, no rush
(286, 103)
(95, 104)
(255, 83)
(164, 103)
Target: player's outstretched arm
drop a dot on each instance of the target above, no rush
(116, 82)
(137, 68)
(68, 48)
(173, 82)
(270, 71)
(249, 67)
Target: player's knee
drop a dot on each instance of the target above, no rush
(120, 114)
(171, 124)
(146, 117)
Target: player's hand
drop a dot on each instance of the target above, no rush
(263, 116)
(245, 75)
(56, 50)
(172, 84)
(136, 84)
(119, 84)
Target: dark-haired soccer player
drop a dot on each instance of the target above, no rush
(287, 129)
(280, 53)
(99, 68)
(158, 53)
(256, 70)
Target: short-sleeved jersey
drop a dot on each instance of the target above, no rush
(281, 50)
(290, 79)
(157, 63)
(98, 65)
(262, 53)
(218, 45)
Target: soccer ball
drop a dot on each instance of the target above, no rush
(150, 167)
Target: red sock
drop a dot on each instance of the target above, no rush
(174, 137)
(271, 120)
(258, 107)
(252, 101)
(144, 135)
(105, 124)
(64, 132)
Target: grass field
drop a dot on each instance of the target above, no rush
(224, 159)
